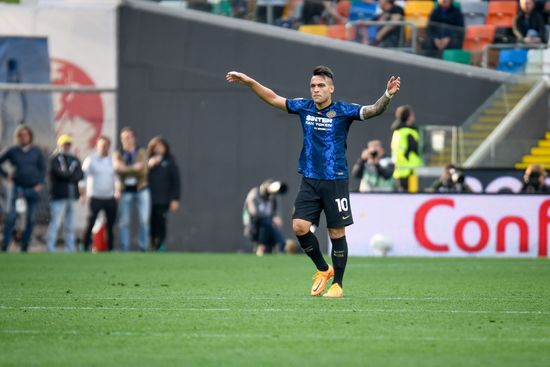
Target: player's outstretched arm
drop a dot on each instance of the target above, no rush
(265, 94)
(383, 102)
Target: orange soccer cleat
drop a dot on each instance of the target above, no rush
(320, 279)
(335, 291)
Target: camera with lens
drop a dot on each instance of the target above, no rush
(271, 188)
(457, 176)
(533, 179)
(373, 154)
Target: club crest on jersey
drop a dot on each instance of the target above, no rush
(331, 114)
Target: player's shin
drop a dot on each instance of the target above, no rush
(310, 245)
(339, 256)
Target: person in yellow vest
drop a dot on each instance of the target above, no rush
(404, 147)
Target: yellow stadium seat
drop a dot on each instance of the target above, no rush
(317, 29)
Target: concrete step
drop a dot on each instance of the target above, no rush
(544, 143)
(475, 135)
(495, 111)
(520, 88)
(505, 104)
(495, 119)
(540, 159)
(540, 151)
(525, 165)
(483, 127)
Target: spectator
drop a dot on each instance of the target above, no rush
(389, 35)
(404, 147)
(374, 169)
(534, 180)
(28, 182)
(445, 27)
(65, 173)
(130, 163)
(262, 224)
(451, 180)
(101, 189)
(529, 26)
(164, 183)
(320, 11)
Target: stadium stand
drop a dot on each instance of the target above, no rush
(539, 154)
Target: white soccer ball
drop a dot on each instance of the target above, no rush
(381, 244)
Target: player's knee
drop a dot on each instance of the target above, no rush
(335, 233)
(300, 227)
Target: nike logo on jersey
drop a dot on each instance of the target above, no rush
(346, 217)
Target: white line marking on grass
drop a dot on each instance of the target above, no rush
(270, 298)
(272, 336)
(240, 309)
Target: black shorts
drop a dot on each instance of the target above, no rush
(332, 196)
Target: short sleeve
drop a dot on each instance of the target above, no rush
(295, 105)
(352, 110)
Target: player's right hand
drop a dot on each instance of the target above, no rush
(236, 77)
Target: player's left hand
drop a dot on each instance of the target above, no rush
(393, 85)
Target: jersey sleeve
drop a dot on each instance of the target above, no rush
(352, 110)
(294, 105)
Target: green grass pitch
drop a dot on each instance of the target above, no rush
(241, 310)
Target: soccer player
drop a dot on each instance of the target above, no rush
(323, 165)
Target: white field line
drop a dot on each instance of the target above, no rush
(271, 336)
(271, 298)
(279, 309)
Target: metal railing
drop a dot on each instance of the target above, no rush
(507, 46)
(400, 23)
(487, 147)
(441, 144)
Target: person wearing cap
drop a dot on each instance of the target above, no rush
(65, 173)
(27, 178)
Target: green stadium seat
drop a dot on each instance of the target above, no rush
(459, 56)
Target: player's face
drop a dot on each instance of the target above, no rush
(321, 89)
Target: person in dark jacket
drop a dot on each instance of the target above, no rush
(445, 27)
(164, 183)
(65, 173)
(28, 182)
(529, 26)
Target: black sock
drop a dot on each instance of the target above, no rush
(311, 247)
(339, 256)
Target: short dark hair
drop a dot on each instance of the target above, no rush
(403, 112)
(104, 137)
(323, 71)
(127, 129)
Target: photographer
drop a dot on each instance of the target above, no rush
(262, 225)
(374, 170)
(534, 180)
(451, 180)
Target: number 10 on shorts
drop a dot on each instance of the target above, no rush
(342, 204)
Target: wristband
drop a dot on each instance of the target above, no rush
(390, 96)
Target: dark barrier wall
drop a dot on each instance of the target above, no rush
(171, 82)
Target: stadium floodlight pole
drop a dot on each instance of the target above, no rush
(47, 88)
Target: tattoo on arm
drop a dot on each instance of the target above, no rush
(375, 109)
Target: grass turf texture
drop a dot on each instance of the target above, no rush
(240, 310)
